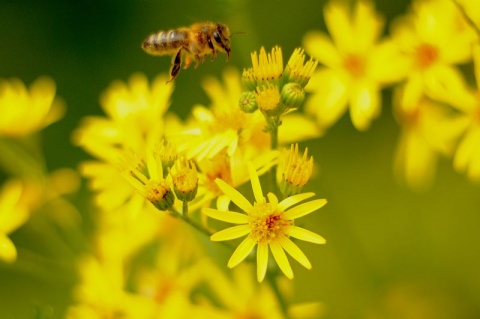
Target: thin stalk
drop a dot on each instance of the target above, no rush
(273, 169)
(271, 278)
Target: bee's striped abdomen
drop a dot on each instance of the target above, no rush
(166, 42)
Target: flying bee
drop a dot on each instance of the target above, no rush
(194, 42)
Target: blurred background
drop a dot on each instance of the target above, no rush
(391, 252)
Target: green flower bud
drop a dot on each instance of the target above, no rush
(292, 95)
(248, 102)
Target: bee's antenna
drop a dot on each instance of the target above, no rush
(238, 32)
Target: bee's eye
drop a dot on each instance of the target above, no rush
(216, 36)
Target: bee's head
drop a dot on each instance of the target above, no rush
(221, 35)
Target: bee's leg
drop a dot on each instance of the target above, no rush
(188, 61)
(197, 60)
(210, 45)
(177, 61)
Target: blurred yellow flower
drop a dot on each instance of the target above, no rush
(357, 65)
(135, 112)
(267, 224)
(26, 111)
(240, 296)
(467, 101)
(429, 130)
(433, 37)
(14, 212)
(134, 123)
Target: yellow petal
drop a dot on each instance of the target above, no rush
(293, 200)
(241, 252)
(281, 259)
(305, 209)
(262, 261)
(330, 96)
(295, 252)
(256, 186)
(305, 235)
(365, 105)
(319, 46)
(231, 233)
(226, 216)
(8, 252)
(234, 195)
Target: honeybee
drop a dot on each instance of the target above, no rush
(196, 41)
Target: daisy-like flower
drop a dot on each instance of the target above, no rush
(357, 65)
(134, 122)
(428, 130)
(466, 100)
(25, 111)
(267, 224)
(433, 38)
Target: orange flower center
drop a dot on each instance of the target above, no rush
(355, 64)
(427, 54)
(268, 223)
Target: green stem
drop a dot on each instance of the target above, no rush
(271, 278)
(273, 146)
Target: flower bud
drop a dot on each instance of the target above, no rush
(295, 171)
(185, 179)
(159, 194)
(249, 81)
(293, 95)
(269, 101)
(248, 102)
(298, 72)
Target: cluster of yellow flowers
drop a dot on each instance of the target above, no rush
(149, 264)
(147, 154)
(437, 112)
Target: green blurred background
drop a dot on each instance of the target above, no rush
(390, 253)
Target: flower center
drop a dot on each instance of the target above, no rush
(355, 64)
(229, 119)
(268, 223)
(427, 54)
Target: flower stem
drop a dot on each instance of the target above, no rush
(271, 278)
(273, 146)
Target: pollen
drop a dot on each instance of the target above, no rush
(268, 223)
(427, 54)
(355, 65)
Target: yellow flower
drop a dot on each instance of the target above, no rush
(135, 112)
(27, 111)
(242, 297)
(185, 179)
(298, 72)
(267, 225)
(429, 130)
(357, 65)
(149, 181)
(135, 122)
(13, 213)
(433, 37)
(268, 100)
(294, 171)
(467, 101)
(267, 66)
